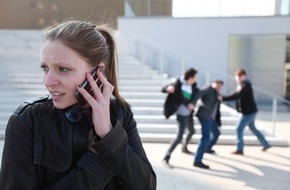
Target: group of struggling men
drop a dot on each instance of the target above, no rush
(182, 98)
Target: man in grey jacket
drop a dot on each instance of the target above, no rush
(206, 115)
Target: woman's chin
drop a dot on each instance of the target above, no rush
(62, 105)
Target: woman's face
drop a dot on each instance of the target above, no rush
(63, 71)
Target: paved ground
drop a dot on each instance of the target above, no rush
(256, 170)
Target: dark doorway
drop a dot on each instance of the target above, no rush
(287, 82)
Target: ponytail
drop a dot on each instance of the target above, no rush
(112, 65)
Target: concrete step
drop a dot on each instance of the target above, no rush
(160, 119)
(24, 92)
(139, 81)
(145, 128)
(145, 102)
(159, 111)
(139, 118)
(121, 76)
(124, 69)
(223, 140)
(160, 134)
(126, 82)
(173, 128)
(10, 108)
(25, 86)
(130, 88)
(143, 95)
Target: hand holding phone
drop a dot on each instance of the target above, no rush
(86, 85)
(90, 95)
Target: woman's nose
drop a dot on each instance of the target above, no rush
(50, 79)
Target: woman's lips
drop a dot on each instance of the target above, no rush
(56, 95)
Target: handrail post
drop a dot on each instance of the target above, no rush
(274, 114)
(142, 52)
(207, 78)
(161, 64)
(182, 66)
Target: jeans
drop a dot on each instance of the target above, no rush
(183, 122)
(214, 137)
(249, 120)
(206, 127)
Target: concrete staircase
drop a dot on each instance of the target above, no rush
(21, 79)
(147, 104)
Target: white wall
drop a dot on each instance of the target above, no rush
(264, 58)
(205, 39)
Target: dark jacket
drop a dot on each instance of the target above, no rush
(245, 102)
(218, 115)
(173, 100)
(43, 150)
(209, 104)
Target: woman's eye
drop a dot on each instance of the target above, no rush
(44, 68)
(63, 69)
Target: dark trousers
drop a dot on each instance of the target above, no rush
(215, 133)
(183, 122)
(206, 126)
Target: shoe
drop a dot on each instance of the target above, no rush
(186, 151)
(266, 148)
(211, 151)
(200, 165)
(238, 152)
(166, 159)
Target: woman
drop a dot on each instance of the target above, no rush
(56, 143)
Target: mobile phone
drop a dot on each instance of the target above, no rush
(86, 85)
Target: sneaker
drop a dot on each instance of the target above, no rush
(211, 151)
(200, 165)
(238, 152)
(266, 147)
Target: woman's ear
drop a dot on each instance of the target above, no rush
(102, 65)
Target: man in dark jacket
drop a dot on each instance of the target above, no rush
(180, 101)
(245, 103)
(206, 115)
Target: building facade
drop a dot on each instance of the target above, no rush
(35, 14)
(216, 47)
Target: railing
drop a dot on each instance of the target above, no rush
(156, 55)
